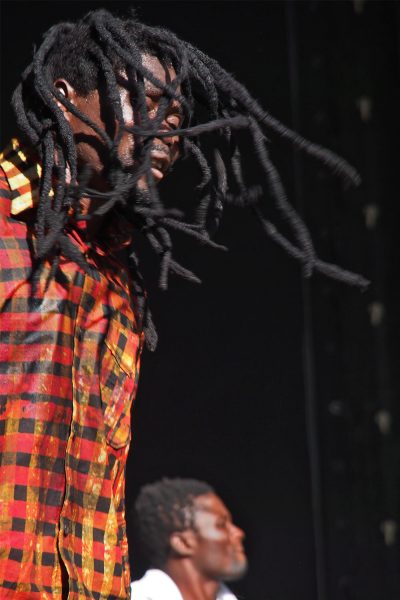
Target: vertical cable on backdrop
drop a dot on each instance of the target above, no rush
(311, 408)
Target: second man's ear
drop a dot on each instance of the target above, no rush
(183, 543)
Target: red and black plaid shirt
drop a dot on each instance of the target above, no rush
(69, 363)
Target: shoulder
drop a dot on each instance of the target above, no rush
(155, 585)
(11, 226)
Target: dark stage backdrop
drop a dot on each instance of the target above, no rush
(283, 395)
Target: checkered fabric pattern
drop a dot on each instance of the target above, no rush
(69, 364)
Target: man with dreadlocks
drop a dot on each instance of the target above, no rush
(71, 317)
(104, 110)
(186, 534)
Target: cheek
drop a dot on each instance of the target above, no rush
(217, 557)
(218, 543)
(125, 149)
(127, 113)
(126, 106)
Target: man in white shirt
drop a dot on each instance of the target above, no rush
(186, 533)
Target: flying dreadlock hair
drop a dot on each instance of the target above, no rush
(90, 54)
(162, 508)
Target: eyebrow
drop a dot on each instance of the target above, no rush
(150, 90)
(149, 87)
(225, 515)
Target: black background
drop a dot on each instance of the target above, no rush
(246, 360)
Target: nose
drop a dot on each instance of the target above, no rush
(171, 143)
(167, 140)
(238, 533)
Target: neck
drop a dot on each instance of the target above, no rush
(88, 205)
(191, 584)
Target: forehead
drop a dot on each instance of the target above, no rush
(210, 505)
(151, 90)
(153, 64)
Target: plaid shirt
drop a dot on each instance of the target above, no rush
(69, 363)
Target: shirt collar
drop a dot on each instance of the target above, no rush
(23, 173)
(156, 584)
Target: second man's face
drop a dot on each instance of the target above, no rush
(219, 552)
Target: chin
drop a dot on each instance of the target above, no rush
(237, 571)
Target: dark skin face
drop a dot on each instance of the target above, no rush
(218, 551)
(208, 552)
(91, 150)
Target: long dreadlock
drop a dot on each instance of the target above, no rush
(90, 54)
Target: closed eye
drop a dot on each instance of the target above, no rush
(175, 120)
(222, 523)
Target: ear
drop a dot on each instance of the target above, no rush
(183, 543)
(67, 91)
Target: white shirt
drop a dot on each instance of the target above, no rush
(157, 585)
